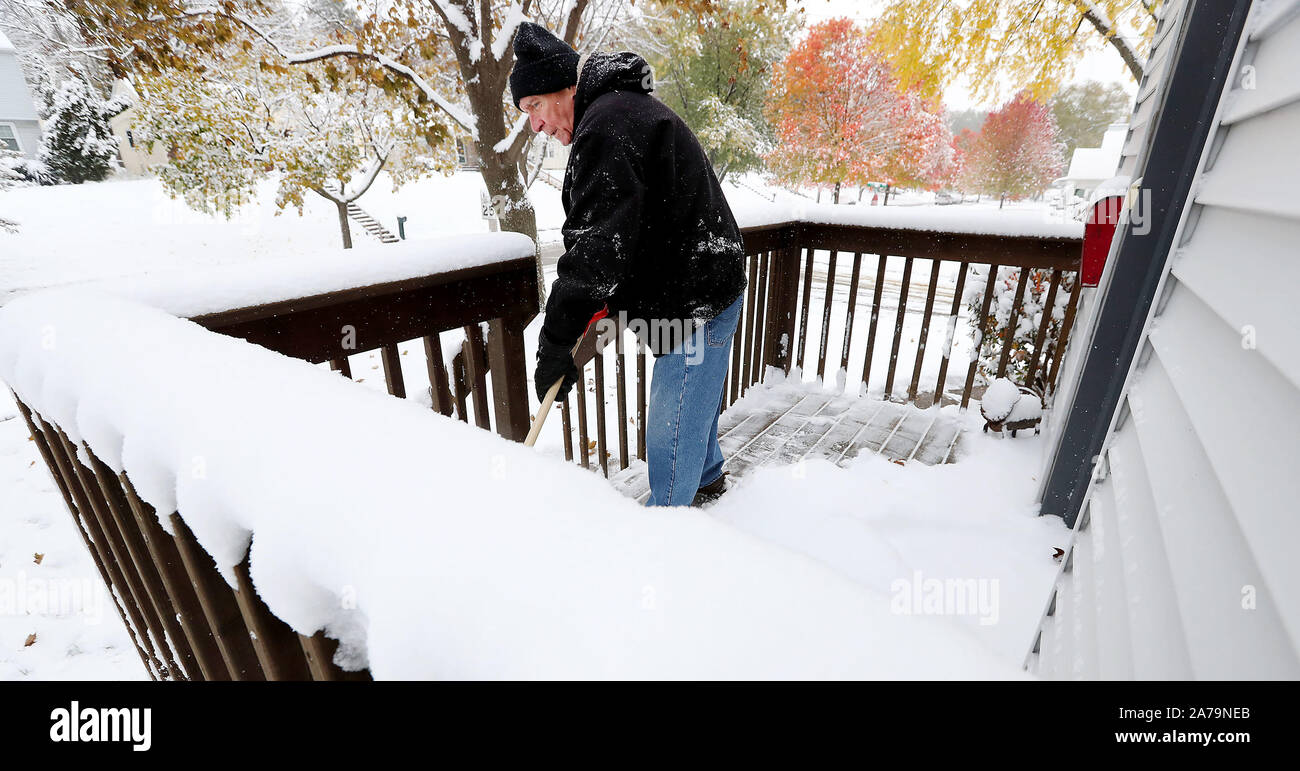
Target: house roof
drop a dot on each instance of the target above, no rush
(1099, 162)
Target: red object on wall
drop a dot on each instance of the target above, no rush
(1097, 234)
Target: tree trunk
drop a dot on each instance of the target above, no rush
(508, 195)
(505, 186)
(344, 225)
(885, 200)
(819, 194)
(1001, 200)
(837, 193)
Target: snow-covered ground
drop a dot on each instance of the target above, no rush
(886, 527)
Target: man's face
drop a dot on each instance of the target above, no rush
(551, 114)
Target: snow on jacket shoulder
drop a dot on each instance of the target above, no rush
(647, 228)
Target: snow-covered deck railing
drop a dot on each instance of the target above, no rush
(933, 219)
(807, 263)
(243, 537)
(331, 307)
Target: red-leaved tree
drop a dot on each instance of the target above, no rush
(841, 117)
(1017, 152)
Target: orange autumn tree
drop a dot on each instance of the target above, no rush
(841, 117)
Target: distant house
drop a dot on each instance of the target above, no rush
(1090, 166)
(20, 128)
(552, 155)
(135, 157)
(467, 155)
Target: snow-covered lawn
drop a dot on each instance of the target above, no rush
(893, 529)
(126, 227)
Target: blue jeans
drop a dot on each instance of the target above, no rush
(685, 399)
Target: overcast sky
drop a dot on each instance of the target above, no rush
(1103, 64)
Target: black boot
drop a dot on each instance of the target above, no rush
(711, 492)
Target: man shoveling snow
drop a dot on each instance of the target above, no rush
(648, 234)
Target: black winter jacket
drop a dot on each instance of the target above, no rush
(647, 229)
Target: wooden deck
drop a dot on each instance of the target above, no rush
(785, 424)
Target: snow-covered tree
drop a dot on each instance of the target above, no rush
(51, 50)
(713, 69)
(229, 128)
(77, 144)
(967, 161)
(9, 178)
(923, 156)
(1083, 111)
(1029, 317)
(1017, 152)
(841, 116)
(392, 49)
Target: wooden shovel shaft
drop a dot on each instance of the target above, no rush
(555, 387)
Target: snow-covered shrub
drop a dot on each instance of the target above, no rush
(1029, 316)
(78, 145)
(31, 171)
(10, 177)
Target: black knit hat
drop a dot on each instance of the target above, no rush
(543, 63)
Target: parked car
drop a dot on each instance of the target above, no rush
(946, 197)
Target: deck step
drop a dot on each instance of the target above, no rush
(785, 424)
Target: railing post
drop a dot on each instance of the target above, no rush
(783, 300)
(509, 368)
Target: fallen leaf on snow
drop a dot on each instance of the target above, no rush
(38, 557)
(31, 638)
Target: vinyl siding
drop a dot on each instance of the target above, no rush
(1194, 509)
(15, 101)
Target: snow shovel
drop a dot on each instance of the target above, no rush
(555, 388)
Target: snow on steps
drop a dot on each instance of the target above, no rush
(370, 225)
(784, 423)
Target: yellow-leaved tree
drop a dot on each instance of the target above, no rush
(1002, 45)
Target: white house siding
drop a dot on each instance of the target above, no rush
(1181, 564)
(28, 133)
(16, 107)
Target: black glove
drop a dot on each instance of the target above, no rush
(553, 362)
